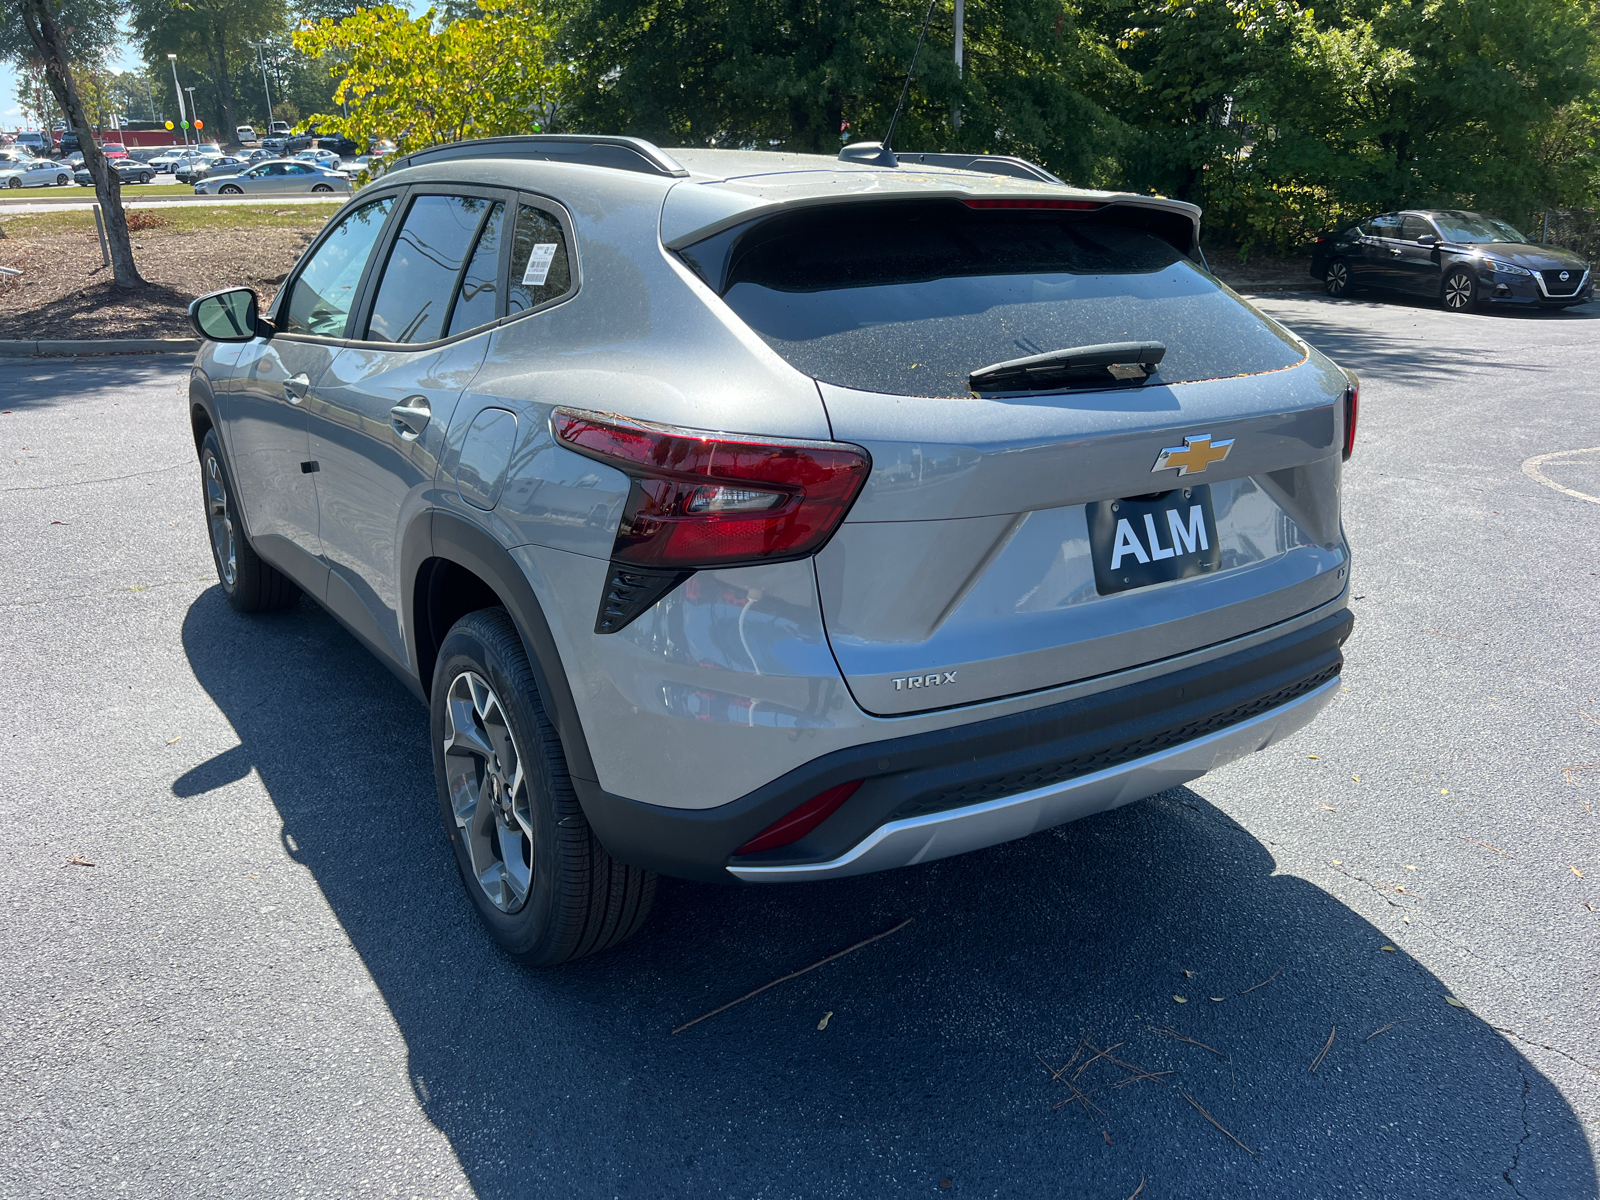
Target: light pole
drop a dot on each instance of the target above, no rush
(150, 92)
(192, 115)
(961, 31)
(266, 87)
(173, 59)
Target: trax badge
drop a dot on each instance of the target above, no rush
(1195, 455)
(932, 679)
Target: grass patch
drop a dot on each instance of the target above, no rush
(178, 218)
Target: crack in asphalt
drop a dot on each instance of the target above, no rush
(50, 487)
(138, 587)
(1527, 1131)
(1512, 1033)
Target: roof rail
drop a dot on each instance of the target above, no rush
(989, 164)
(618, 153)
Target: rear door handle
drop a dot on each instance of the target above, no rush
(295, 387)
(410, 417)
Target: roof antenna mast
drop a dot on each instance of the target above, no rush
(882, 153)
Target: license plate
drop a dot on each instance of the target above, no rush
(1151, 539)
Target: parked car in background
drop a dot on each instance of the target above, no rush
(245, 133)
(33, 140)
(325, 158)
(114, 150)
(1462, 259)
(16, 154)
(128, 169)
(281, 127)
(275, 177)
(341, 146)
(39, 173)
(767, 518)
(260, 155)
(205, 168)
(168, 159)
(275, 145)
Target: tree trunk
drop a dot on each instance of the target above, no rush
(51, 48)
(219, 61)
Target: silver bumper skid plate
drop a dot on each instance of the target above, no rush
(941, 834)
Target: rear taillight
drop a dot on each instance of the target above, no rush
(1352, 410)
(791, 828)
(715, 499)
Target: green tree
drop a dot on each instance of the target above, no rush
(34, 32)
(407, 81)
(798, 75)
(210, 38)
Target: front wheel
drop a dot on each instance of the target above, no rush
(250, 584)
(541, 881)
(229, 189)
(14, 182)
(1337, 280)
(144, 179)
(63, 180)
(1460, 290)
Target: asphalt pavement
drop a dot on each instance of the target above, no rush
(270, 983)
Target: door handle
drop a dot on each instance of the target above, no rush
(1395, 250)
(410, 417)
(295, 387)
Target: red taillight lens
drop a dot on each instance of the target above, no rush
(802, 820)
(1352, 410)
(1079, 205)
(713, 499)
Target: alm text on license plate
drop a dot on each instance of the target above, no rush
(1151, 539)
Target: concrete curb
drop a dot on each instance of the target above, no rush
(37, 347)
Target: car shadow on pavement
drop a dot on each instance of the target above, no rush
(932, 1073)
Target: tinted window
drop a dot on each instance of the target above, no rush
(420, 276)
(326, 288)
(1414, 227)
(540, 271)
(1387, 226)
(911, 298)
(477, 303)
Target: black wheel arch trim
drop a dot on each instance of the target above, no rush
(452, 539)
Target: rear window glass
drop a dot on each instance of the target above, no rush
(909, 299)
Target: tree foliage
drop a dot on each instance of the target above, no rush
(406, 80)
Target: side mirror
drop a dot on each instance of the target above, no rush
(1427, 239)
(231, 315)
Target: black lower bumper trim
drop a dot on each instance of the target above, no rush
(968, 764)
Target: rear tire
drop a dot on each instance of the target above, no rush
(250, 584)
(321, 187)
(1337, 280)
(1460, 292)
(541, 881)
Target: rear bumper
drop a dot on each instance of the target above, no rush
(939, 835)
(950, 790)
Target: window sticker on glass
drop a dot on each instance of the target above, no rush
(539, 261)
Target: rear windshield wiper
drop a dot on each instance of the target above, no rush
(1110, 363)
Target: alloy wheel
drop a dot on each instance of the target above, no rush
(1338, 279)
(1458, 291)
(488, 791)
(221, 523)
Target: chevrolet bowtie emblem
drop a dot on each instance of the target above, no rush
(1195, 455)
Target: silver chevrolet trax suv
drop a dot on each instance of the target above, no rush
(766, 517)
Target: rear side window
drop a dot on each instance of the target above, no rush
(540, 270)
(325, 290)
(909, 299)
(477, 300)
(420, 277)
